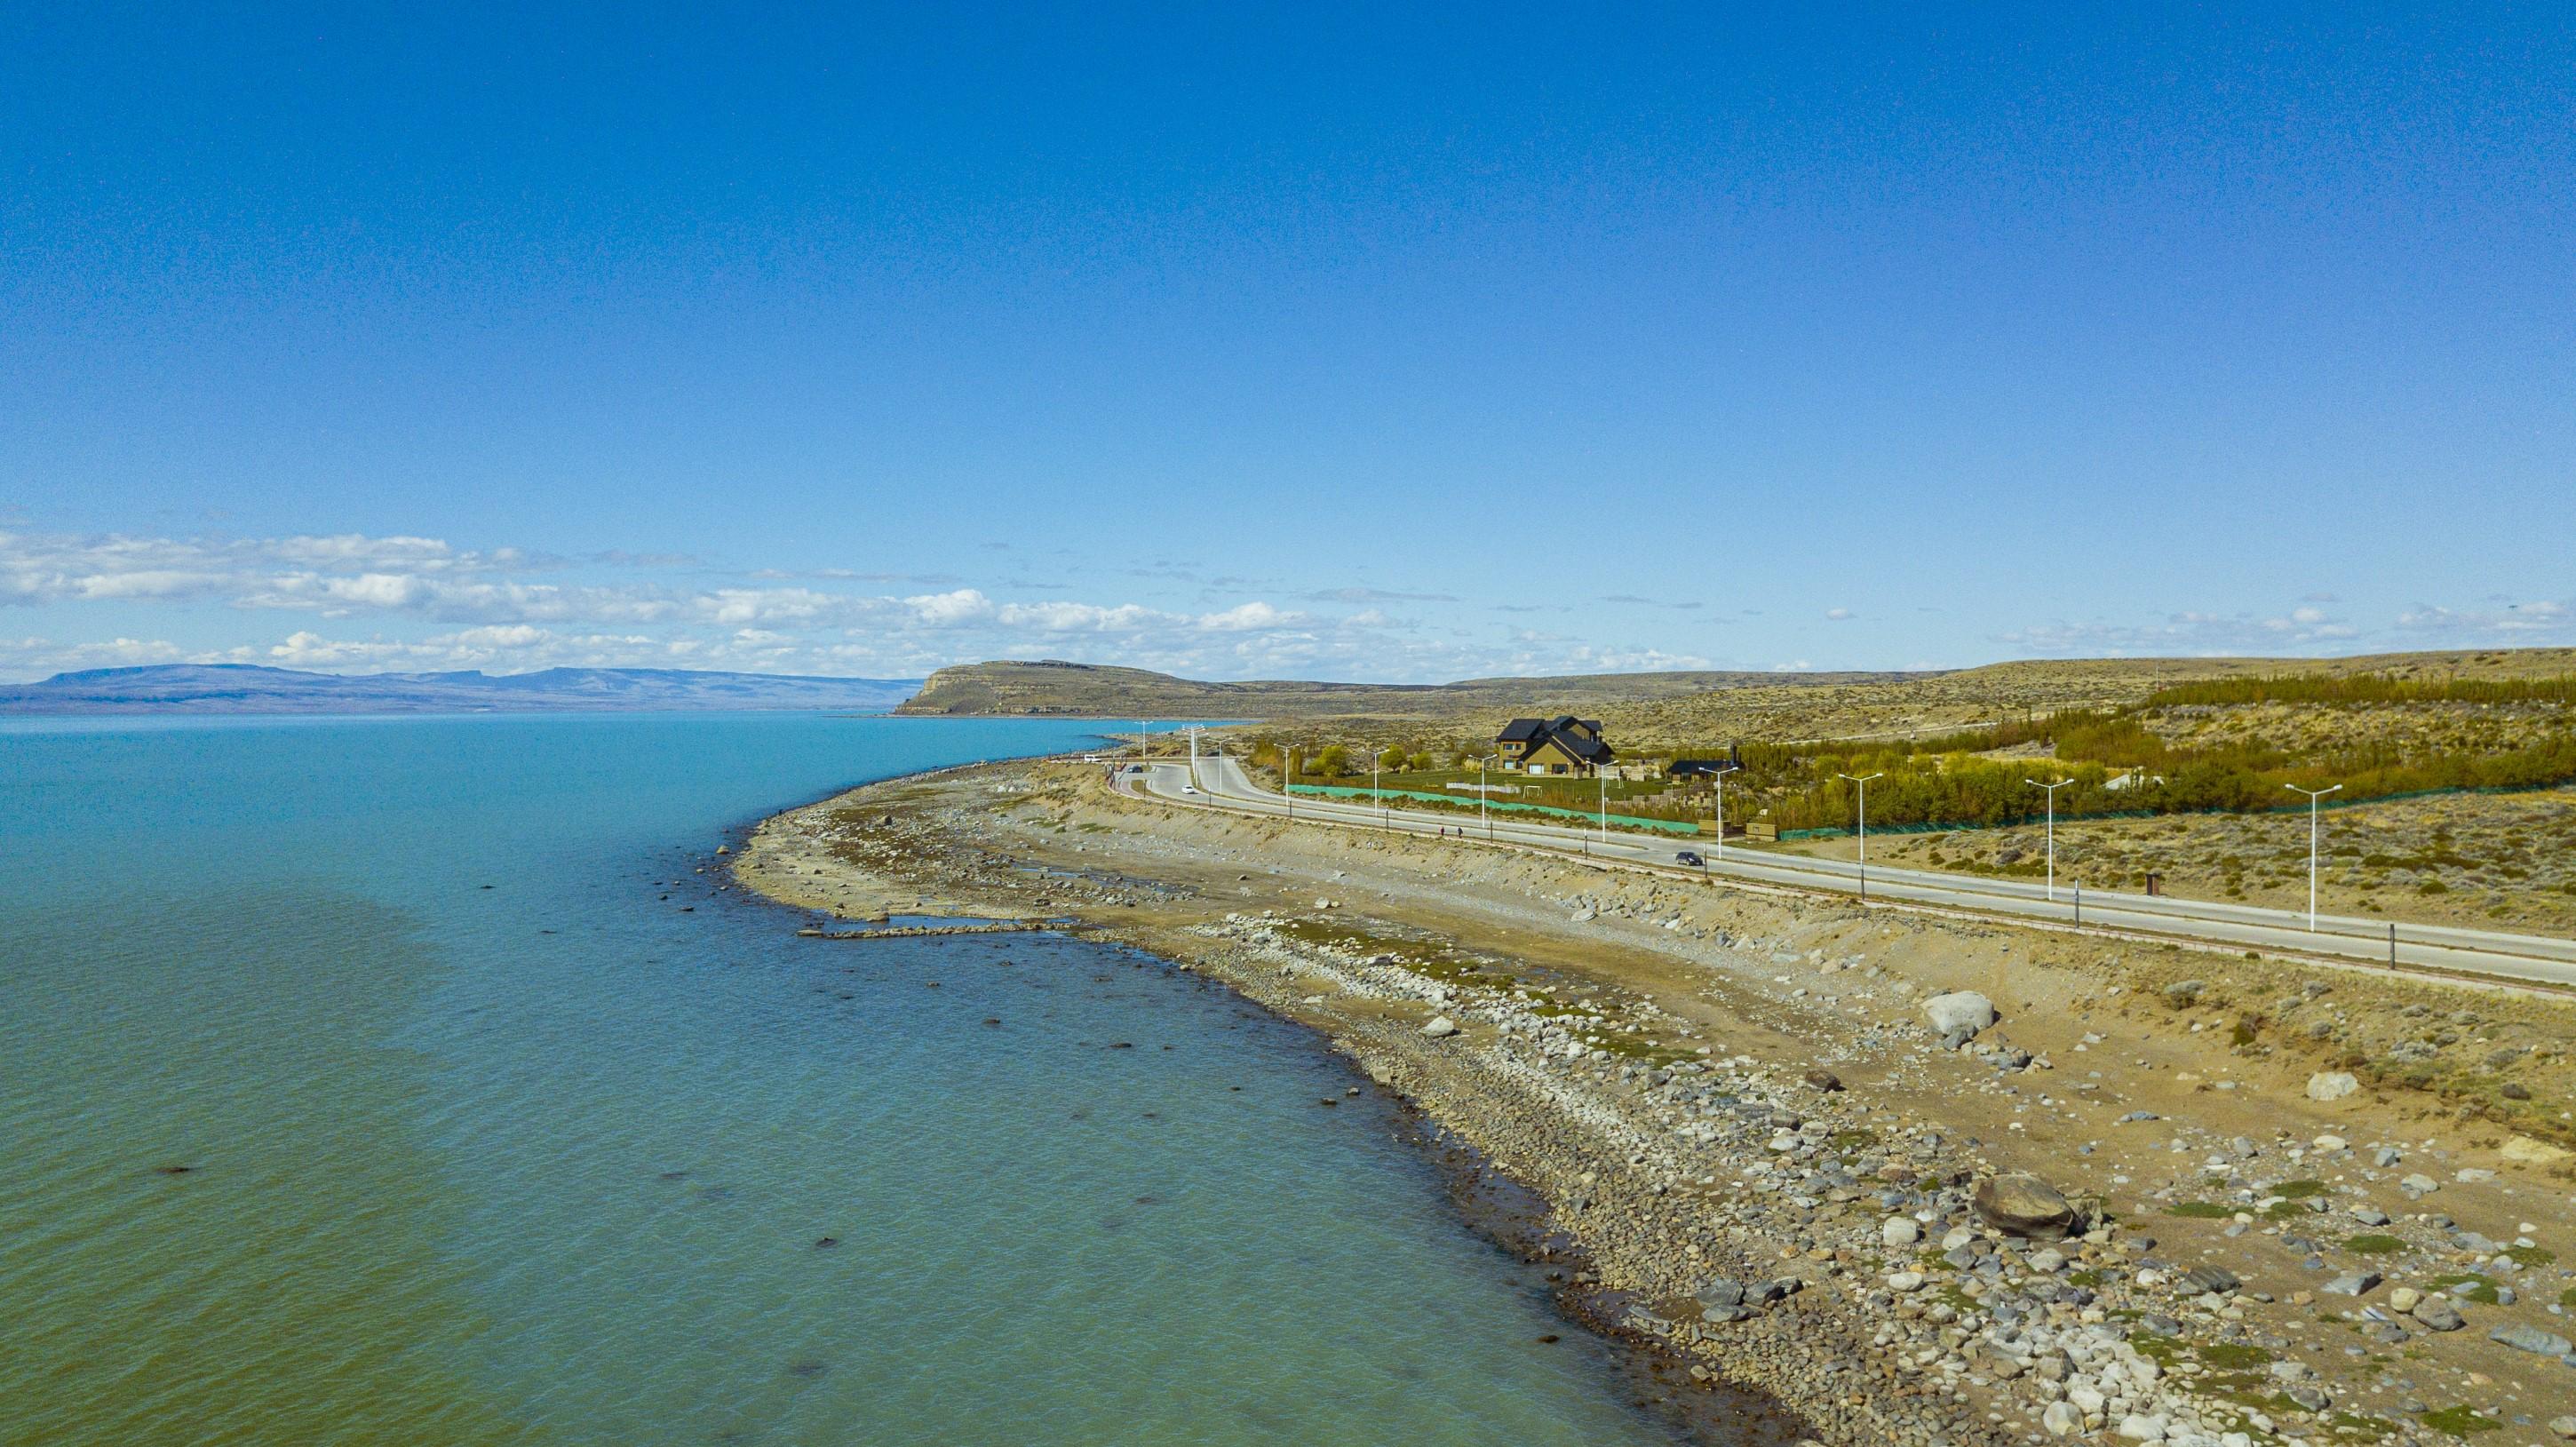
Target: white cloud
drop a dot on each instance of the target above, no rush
(407, 603)
(2542, 620)
(2187, 634)
(36, 657)
(1249, 616)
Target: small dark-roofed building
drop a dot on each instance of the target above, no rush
(1705, 768)
(1561, 745)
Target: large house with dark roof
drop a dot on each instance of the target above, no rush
(1561, 745)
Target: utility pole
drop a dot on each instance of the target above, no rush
(2051, 791)
(2313, 796)
(1485, 797)
(1604, 781)
(1864, 829)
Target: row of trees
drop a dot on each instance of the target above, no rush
(2363, 688)
(2111, 771)
(1334, 761)
(2112, 761)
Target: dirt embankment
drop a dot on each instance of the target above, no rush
(1737, 1102)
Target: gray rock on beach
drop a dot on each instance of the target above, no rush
(2212, 1278)
(2530, 1339)
(2024, 1206)
(1441, 1027)
(2435, 1314)
(1959, 1015)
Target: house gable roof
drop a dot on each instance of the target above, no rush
(1578, 739)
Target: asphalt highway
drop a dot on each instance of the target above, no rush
(1218, 782)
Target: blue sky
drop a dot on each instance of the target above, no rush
(1290, 341)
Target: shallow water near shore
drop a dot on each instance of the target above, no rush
(361, 1084)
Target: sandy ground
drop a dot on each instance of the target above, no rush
(1732, 1099)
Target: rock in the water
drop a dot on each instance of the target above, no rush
(2024, 1205)
(2332, 1085)
(1440, 1027)
(1960, 1010)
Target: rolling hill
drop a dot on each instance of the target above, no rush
(1100, 691)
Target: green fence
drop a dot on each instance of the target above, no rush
(1625, 821)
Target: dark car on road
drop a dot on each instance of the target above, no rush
(1691, 858)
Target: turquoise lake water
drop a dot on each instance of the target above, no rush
(485, 1140)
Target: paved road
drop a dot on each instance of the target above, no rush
(1217, 782)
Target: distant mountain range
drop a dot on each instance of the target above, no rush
(220, 688)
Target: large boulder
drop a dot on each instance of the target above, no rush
(2526, 1151)
(2332, 1085)
(2531, 1339)
(1959, 1015)
(2024, 1205)
(2437, 1314)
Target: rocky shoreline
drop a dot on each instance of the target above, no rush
(1805, 1157)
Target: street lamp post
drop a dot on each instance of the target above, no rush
(1485, 796)
(1864, 828)
(2051, 790)
(2313, 796)
(1718, 779)
(1604, 781)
